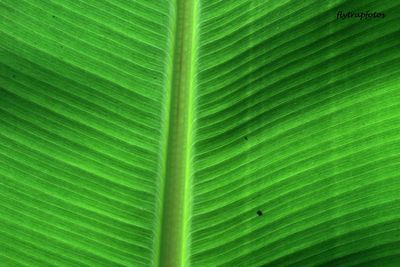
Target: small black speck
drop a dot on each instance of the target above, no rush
(245, 138)
(54, 17)
(259, 213)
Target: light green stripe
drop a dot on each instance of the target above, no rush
(173, 245)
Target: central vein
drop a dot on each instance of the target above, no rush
(174, 228)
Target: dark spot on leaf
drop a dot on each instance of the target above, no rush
(54, 17)
(245, 138)
(13, 76)
(259, 213)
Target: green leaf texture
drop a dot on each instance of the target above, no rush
(81, 133)
(298, 117)
(199, 133)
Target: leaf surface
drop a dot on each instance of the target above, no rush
(82, 128)
(199, 133)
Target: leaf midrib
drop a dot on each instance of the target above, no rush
(175, 197)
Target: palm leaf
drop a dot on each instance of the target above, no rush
(199, 133)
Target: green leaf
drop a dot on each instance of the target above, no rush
(82, 111)
(199, 133)
(297, 117)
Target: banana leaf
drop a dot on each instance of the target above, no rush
(199, 133)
